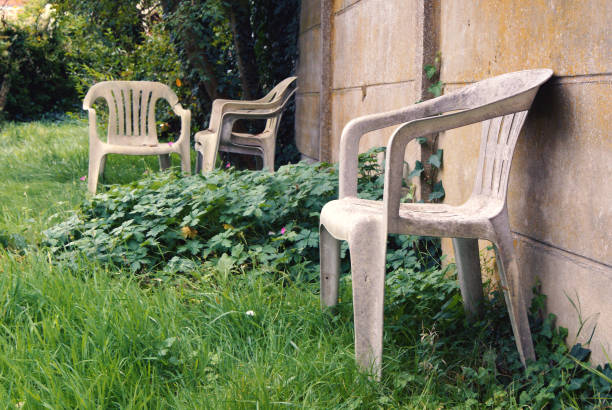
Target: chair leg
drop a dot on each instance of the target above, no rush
(102, 166)
(368, 246)
(207, 146)
(185, 159)
(164, 161)
(329, 252)
(198, 164)
(95, 162)
(468, 272)
(269, 146)
(517, 304)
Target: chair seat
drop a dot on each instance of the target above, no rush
(469, 220)
(141, 149)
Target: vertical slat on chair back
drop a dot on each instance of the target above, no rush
(132, 113)
(499, 136)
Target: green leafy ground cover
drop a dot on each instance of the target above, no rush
(82, 327)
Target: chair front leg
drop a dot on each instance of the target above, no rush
(268, 143)
(368, 246)
(206, 145)
(96, 158)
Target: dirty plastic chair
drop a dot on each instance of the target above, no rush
(219, 135)
(131, 125)
(501, 103)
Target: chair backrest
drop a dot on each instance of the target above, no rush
(500, 103)
(513, 92)
(282, 91)
(499, 136)
(131, 109)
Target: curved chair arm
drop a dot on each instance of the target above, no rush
(264, 110)
(185, 121)
(396, 147)
(92, 95)
(269, 101)
(220, 107)
(93, 130)
(356, 128)
(261, 110)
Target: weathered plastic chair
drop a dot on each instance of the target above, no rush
(131, 124)
(219, 135)
(502, 103)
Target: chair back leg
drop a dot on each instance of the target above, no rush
(185, 158)
(329, 253)
(511, 282)
(164, 161)
(468, 272)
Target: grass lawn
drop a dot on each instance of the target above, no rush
(79, 334)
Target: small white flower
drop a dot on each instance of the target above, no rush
(250, 313)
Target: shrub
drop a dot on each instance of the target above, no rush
(227, 218)
(33, 69)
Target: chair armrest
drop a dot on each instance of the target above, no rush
(185, 121)
(262, 111)
(358, 127)
(93, 130)
(220, 106)
(396, 148)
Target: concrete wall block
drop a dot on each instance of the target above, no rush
(309, 67)
(340, 5)
(374, 43)
(355, 102)
(482, 38)
(310, 14)
(557, 192)
(563, 277)
(307, 124)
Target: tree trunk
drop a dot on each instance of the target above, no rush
(239, 13)
(4, 90)
(195, 53)
(197, 58)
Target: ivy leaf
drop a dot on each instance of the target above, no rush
(430, 71)
(438, 191)
(436, 159)
(436, 88)
(580, 353)
(418, 169)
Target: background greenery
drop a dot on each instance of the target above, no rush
(204, 49)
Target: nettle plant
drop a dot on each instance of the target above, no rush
(227, 219)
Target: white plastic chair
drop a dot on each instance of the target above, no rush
(220, 137)
(501, 103)
(131, 124)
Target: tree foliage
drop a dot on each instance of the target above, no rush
(204, 49)
(34, 76)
